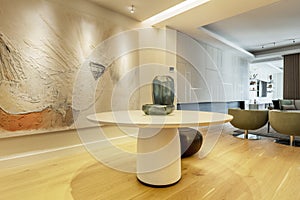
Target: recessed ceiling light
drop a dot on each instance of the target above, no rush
(173, 11)
(132, 9)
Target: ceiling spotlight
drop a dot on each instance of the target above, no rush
(294, 40)
(132, 9)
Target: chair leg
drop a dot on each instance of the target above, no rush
(292, 140)
(246, 134)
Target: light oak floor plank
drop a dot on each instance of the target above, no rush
(234, 169)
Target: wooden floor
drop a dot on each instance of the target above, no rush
(234, 169)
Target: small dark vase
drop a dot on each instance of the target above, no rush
(163, 90)
(190, 141)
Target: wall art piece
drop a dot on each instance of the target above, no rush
(34, 95)
(96, 69)
(10, 61)
(42, 46)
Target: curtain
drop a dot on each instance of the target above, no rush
(291, 80)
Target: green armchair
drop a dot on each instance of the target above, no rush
(248, 119)
(286, 122)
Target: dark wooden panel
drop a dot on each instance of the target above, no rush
(291, 87)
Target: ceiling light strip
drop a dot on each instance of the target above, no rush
(281, 42)
(173, 11)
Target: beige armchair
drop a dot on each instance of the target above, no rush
(248, 119)
(285, 122)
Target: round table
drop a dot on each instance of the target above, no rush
(158, 143)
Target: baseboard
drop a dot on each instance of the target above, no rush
(59, 139)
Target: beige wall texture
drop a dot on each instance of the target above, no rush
(43, 43)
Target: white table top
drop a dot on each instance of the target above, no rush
(178, 118)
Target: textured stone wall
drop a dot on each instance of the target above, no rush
(42, 46)
(36, 120)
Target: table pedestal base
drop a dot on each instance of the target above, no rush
(158, 159)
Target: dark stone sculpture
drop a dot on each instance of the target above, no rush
(163, 90)
(163, 96)
(154, 109)
(190, 141)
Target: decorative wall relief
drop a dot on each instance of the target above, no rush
(42, 46)
(45, 119)
(96, 69)
(11, 65)
(16, 91)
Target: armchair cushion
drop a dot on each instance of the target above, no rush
(283, 102)
(288, 107)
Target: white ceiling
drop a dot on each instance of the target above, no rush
(246, 24)
(257, 30)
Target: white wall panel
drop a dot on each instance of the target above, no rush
(215, 75)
